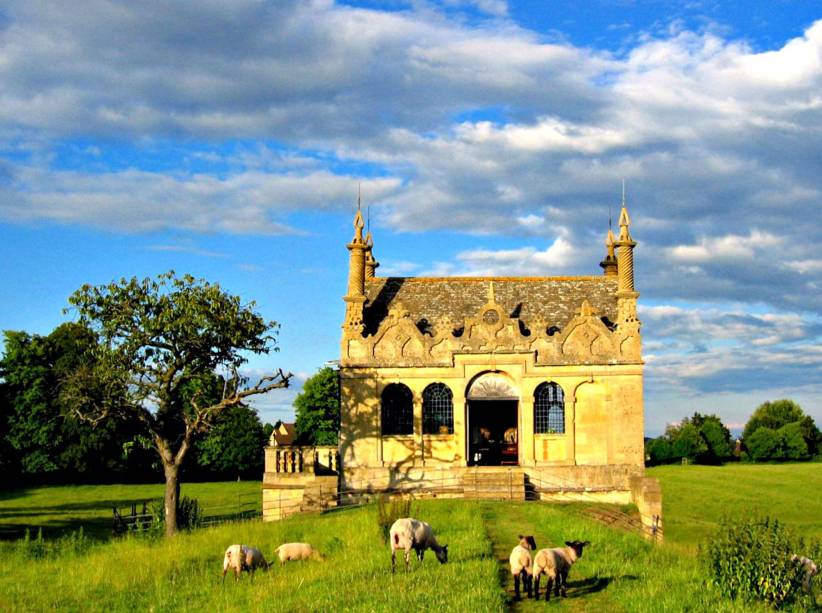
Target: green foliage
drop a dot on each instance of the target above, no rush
(389, 510)
(162, 340)
(788, 419)
(764, 444)
(189, 514)
(702, 439)
(794, 445)
(659, 451)
(750, 560)
(234, 444)
(317, 409)
(42, 433)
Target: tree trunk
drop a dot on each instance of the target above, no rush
(172, 497)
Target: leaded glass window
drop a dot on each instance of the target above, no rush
(397, 409)
(437, 409)
(549, 409)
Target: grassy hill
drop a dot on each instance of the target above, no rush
(620, 571)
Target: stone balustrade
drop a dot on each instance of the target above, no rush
(320, 460)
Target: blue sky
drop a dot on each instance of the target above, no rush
(490, 137)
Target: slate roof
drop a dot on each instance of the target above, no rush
(555, 299)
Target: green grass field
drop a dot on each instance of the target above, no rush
(61, 509)
(619, 572)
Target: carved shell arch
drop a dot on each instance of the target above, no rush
(494, 385)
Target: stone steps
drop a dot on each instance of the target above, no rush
(494, 484)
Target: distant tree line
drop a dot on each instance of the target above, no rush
(776, 431)
(42, 439)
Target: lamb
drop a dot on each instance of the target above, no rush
(240, 558)
(555, 564)
(520, 560)
(408, 533)
(297, 551)
(810, 568)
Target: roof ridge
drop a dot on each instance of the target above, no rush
(496, 279)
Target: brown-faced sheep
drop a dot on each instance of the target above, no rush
(408, 533)
(240, 558)
(297, 551)
(520, 560)
(555, 564)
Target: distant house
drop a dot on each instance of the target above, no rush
(283, 435)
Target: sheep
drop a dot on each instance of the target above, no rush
(810, 568)
(520, 560)
(408, 533)
(555, 564)
(242, 557)
(297, 551)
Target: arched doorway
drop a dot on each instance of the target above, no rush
(492, 418)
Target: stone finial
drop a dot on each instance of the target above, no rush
(371, 264)
(609, 264)
(355, 298)
(625, 253)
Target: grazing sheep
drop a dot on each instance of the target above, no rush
(408, 533)
(555, 564)
(297, 551)
(240, 558)
(810, 568)
(520, 560)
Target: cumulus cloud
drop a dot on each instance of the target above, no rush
(477, 126)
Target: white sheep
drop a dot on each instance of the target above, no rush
(240, 558)
(520, 560)
(408, 533)
(555, 564)
(297, 551)
(810, 568)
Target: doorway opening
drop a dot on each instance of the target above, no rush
(494, 436)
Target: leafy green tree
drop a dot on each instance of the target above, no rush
(159, 343)
(765, 444)
(46, 437)
(32, 419)
(317, 409)
(717, 438)
(794, 445)
(659, 451)
(779, 413)
(688, 443)
(234, 445)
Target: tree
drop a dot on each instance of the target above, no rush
(765, 444)
(659, 451)
(160, 342)
(778, 414)
(688, 443)
(317, 409)
(794, 445)
(235, 443)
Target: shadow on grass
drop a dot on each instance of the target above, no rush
(98, 528)
(592, 585)
(11, 494)
(88, 505)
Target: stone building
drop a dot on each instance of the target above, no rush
(517, 382)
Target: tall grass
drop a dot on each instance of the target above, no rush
(183, 573)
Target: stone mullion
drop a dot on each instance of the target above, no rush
(526, 433)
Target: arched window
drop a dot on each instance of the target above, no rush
(549, 409)
(437, 409)
(397, 410)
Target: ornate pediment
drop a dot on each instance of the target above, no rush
(585, 339)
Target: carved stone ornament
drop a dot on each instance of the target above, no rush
(585, 339)
(492, 386)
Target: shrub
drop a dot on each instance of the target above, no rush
(389, 510)
(750, 560)
(189, 514)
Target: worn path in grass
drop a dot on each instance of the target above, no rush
(503, 522)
